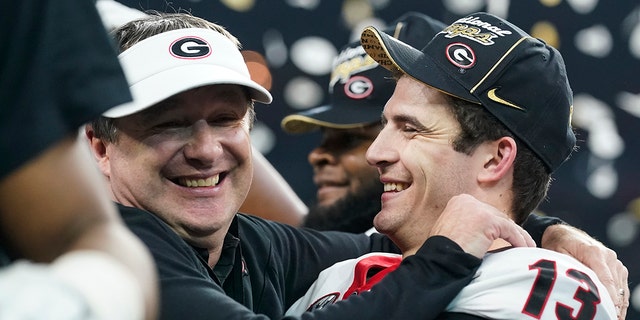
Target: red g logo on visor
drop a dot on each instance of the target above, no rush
(461, 55)
(190, 48)
(358, 87)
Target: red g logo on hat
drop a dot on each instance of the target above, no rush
(190, 48)
(358, 87)
(461, 55)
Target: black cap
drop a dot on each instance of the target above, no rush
(359, 88)
(487, 60)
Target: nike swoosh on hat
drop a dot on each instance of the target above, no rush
(492, 95)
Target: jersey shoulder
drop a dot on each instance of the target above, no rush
(520, 283)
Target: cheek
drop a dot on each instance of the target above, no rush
(125, 152)
(145, 158)
(355, 162)
(358, 171)
(427, 165)
(238, 142)
(446, 174)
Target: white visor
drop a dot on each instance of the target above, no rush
(174, 61)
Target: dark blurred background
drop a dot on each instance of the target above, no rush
(597, 190)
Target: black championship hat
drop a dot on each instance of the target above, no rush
(487, 60)
(359, 88)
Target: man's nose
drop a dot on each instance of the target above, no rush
(203, 145)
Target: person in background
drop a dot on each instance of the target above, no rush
(65, 253)
(475, 137)
(177, 160)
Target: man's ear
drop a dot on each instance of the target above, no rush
(499, 158)
(98, 149)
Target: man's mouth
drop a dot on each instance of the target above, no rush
(394, 186)
(202, 182)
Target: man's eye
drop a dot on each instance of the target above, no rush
(168, 124)
(409, 129)
(225, 120)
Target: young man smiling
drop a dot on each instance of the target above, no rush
(463, 129)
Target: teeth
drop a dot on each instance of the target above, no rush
(195, 183)
(394, 186)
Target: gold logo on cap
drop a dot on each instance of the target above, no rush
(469, 32)
(343, 71)
(492, 95)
